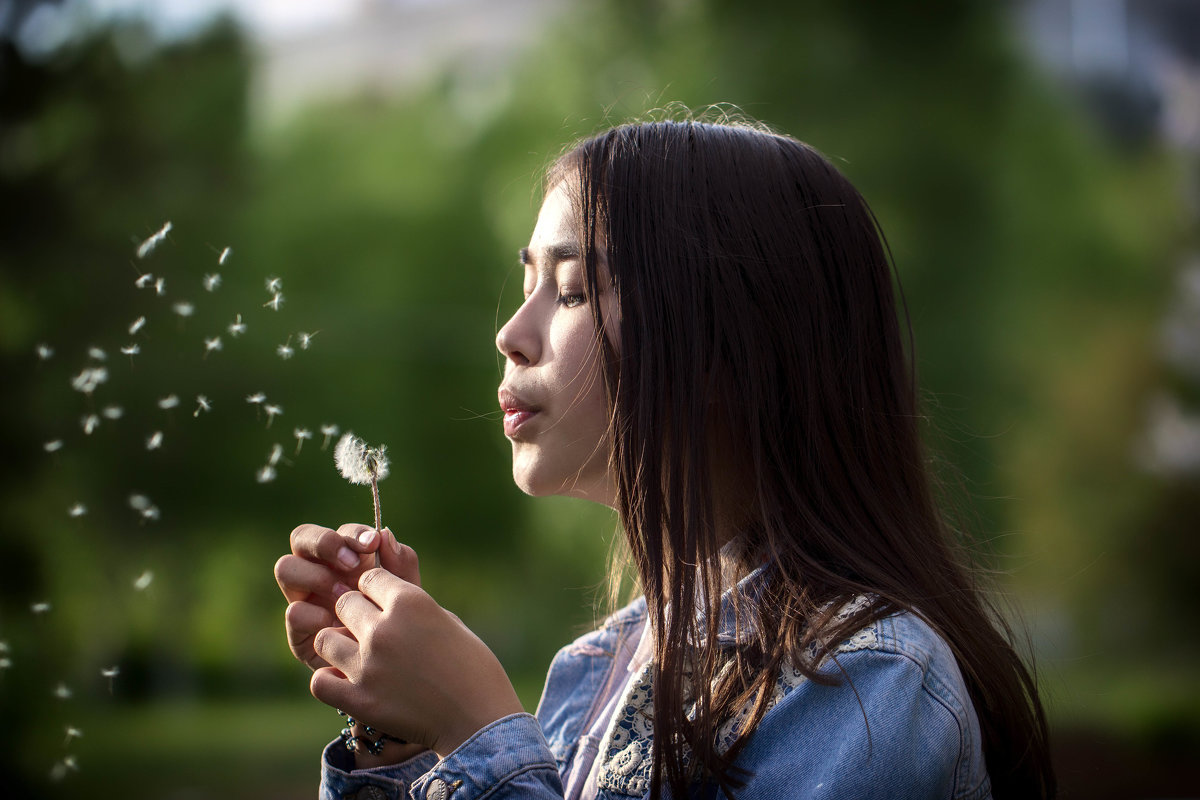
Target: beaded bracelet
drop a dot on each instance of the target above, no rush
(354, 743)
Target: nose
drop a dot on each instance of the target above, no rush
(518, 340)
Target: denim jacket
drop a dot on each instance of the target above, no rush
(897, 724)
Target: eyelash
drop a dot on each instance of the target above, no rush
(571, 300)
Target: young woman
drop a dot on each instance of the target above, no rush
(710, 344)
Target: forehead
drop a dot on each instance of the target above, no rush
(556, 221)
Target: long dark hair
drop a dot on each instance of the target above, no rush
(762, 385)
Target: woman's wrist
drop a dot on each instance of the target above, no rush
(388, 753)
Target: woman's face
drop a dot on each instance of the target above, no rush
(552, 396)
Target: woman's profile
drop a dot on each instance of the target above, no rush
(711, 344)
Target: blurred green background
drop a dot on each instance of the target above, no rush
(383, 163)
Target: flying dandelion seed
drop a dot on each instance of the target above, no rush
(97, 354)
(202, 404)
(144, 280)
(139, 502)
(44, 352)
(137, 325)
(329, 431)
(87, 380)
(89, 424)
(168, 402)
(274, 284)
(147, 247)
(211, 344)
(275, 302)
(154, 441)
(131, 351)
(285, 350)
(362, 465)
(160, 287)
(305, 338)
(272, 412)
(60, 770)
(211, 282)
(258, 398)
(275, 455)
(237, 327)
(112, 412)
(62, 691)
(151, 514)
(142, 582)
(5, 663)
(40, 608)
(72, 733)
(77, 510)
(3, 646)
(266, 474)
(53, 446)
(184, 309)
(110, 673)
(224, 255)
(301, 434)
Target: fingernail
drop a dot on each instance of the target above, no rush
(339, 589)
(366, 537)
(395, 544)
(347, 556)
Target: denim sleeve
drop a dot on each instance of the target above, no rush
(506, 760)
(913, 737)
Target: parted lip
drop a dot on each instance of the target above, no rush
(510, 402)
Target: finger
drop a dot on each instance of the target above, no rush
(317, 543)
(300, 579)
(399, 559)
(357, 613)
(331, 687)
(386, 590)
(339, 649)
(303, 621)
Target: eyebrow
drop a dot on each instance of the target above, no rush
(563, 251)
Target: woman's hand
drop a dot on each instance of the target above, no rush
(324, 564)
(405, 665)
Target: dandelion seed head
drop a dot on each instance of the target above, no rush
(274, 284)
(212, 281)
(160, 287)
(97, 354)
(329, 430)
(141, 583)
(154, 441)
(272, 411)
(131, 350)
(53, 446)
(275, 455)
(359, 463)
(303, 339)
(89, 423)
(183, 308)
(168, 402)
(275, 302)
(44, 351)
(302, 433)
(224, 255)
(285, 351)
(212, 344)
(256, 399)
(202, 404)
(266, 474)
(77, 510)
(40, 608)
(237, 327)
(144, 280)
(137, 325)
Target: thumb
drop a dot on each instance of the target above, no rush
(399, 559)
